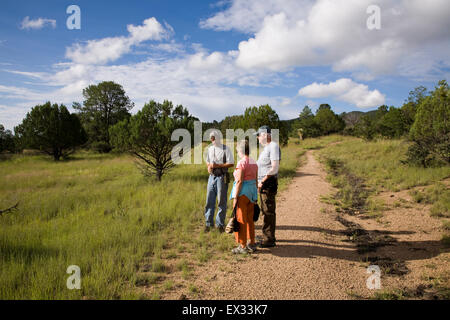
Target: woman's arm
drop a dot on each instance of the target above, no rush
(257, 186)
(240, 175)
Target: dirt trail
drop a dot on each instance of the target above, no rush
(310, 258)
(314, 258)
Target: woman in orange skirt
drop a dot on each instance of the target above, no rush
(245, 195)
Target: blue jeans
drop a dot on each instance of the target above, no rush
(216, 188)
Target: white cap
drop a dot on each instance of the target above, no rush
(214, 134)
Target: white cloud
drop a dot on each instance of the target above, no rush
(38, 23)
(311, 104)
(201, 91)
(206, 83)
(37, 75)
(10, 116)
(194, 74)
(12, 92)
(110, 49)
(247, 16)
(334, 33)
(204, 61)
(172, 47)
(345, 90)
(150, 30)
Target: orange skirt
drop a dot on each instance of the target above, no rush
(244, 215)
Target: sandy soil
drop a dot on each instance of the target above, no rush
(314, 257)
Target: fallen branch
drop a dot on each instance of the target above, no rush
(9, 209)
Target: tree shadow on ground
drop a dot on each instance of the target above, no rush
(398, 250)
(338, 232)
(315, 243)
(401, 250)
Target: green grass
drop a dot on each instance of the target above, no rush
(321, 142)
(379, 164)
(352, 195)
(446, 225)
(375, 207)
(361, 169)
(291, 159)
(169, 285)
(438, 195)
(106, 222)
(98, 212)
(390, 295)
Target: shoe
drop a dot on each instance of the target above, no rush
(252, 248)
(207, 229)
(221, 229)
(267, 244)
(239, 250)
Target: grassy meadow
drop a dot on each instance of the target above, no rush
(98, 212)
(362, 169)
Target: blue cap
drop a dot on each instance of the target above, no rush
(263, 129)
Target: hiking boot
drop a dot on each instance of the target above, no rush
(251, 248)
(239, 250)
(221, 229)
(266, 244)
(207, 229)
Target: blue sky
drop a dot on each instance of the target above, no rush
(219, 57)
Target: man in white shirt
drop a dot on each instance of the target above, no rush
(268, 166)
(219, 158)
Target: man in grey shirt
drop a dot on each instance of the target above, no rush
(268, 166)
(219, 158)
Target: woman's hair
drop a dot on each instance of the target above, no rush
(243, 147)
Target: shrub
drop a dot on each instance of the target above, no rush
(431, 129)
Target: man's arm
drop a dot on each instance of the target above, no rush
(229, 160)
(208, 162)
(226, 165)
(272, 172)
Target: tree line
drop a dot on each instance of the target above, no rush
(423, 120)
(103, 123)
(253, 118)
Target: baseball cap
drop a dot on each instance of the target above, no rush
(263, 129)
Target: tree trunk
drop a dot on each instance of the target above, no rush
(56, 154)
(159, 174)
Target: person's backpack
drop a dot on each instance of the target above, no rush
(233, 224)
(256, 212)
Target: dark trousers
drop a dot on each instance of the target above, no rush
(268, 207)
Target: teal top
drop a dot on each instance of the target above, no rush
(248, 189)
